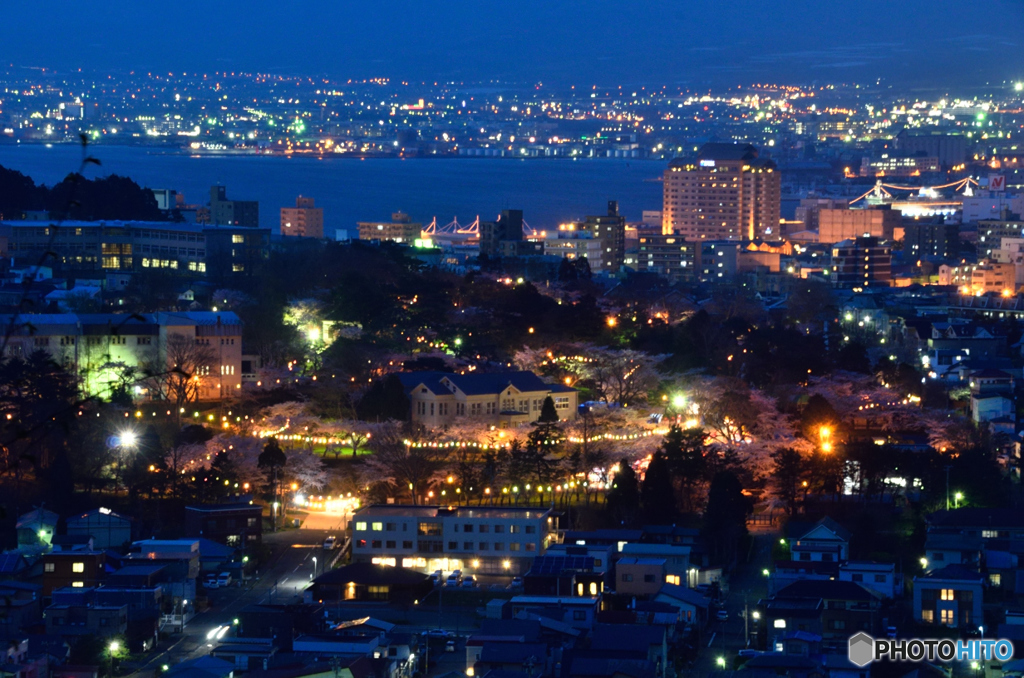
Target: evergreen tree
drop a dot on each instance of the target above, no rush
(787, 474)
(656, 496)
(624, 497)
(725, 518)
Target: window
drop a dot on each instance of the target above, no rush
(627, 577)
(361, 543)
(779, 623)
(947, 594)
(378, 592)
(360, 526)
(430, 529)
(375, 544)
(77, 584)
(468, 527)
(989, 534)
(498, 546)
(389, 544)
(499, 529)
(514, 546)
(406, 544)
(531, 529)
(378, 527)
(483, 546)
(453, 545)
(879, 578)
(467, 546)
(938, 557)
(530, 546)
(390, 527)
(995, 579)
(237, 239)
(48, 567)
(484, 529)
(597, 562)
(579, 615)
(672, 579)
(947, 617)
(805, 556)
(78, 567)
(648, 578)
(928, 616)
(513, 529)
(838, 624)
(857, 578)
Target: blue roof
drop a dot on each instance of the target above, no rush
(479, 384)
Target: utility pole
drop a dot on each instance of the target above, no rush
(948, 467)
(746, 627)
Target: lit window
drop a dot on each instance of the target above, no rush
(780, 623)
(360, 526)
(77, 584)
(78, 567)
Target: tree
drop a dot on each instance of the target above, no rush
(179, 380)
(399, 467)
(687, 462)
(271, 461)
(624, 496)
(725, 518)
(787, 476)
(385, 400)
(656, 495)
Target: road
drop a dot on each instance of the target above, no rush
(281, 580)
(747, 585)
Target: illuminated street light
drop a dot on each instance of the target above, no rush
(958, 497)
(128, 439)
(679, 401)
(720, 661)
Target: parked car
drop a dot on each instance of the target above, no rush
(517, 582)
(469, 582)
(330, 543)
(224, 579)
(449, 646)
(454, 579)
(436, 634)
(210, 581)
(722, 615)
(436, 579)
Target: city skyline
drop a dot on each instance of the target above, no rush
(560, 43)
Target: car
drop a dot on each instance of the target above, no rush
(449, 646)
(722, 615)
(517, 582)
(224, 579)
(330, 543)
(436, 580)
(468, 582)
(454, 579)
(210, 581)
(436, 634)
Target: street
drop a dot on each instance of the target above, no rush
(282, 580)
(746, 586)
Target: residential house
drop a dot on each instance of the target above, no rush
(577, 612)
(692, 606)
(560, 575)
(371, 582)
(951, 596)
(880, 577)
(107, 528)
(676, 557)
(826, 541)
(640, 576)
(831, 609)
(238, 525)
(77, 569)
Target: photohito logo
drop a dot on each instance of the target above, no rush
(864, 649)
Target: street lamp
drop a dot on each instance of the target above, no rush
(825, 436)
(679, 401)
(314, 567)
(112, 648)
(720, 661)
(957, 498)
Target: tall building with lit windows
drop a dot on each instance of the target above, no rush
(305, 220)
(726, 192)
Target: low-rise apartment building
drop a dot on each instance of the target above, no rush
(478, 539)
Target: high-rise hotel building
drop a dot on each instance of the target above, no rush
(726, 192)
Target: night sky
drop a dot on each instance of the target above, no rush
(558, 42)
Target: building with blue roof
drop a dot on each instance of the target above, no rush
(502, 399)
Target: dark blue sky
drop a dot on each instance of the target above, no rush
(927, 42)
